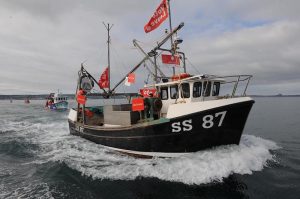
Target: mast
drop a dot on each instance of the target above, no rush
(170, 23)
(108, 28)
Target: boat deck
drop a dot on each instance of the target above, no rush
(97, 125)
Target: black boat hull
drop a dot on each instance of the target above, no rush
(190, 133)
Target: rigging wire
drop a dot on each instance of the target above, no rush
(147, 81)
(120, 62)
(146, 66)
(151, 42)
(194, 67)
(159, 53)
(118, 57)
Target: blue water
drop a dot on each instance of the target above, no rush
(40, 159)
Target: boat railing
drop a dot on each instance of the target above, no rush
(236, 80)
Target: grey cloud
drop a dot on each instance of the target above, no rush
(44, 42)
(270, 53)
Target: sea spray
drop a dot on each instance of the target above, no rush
(55, 144)
(197, 168)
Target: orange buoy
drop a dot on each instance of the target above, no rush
(81, 98)
(180, 76)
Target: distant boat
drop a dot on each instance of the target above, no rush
(27, 101)
(56, 101)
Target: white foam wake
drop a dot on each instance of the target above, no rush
(91, 159)
(56, 144)
(198, 168)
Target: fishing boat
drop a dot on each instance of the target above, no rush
(173, 116)
(27, 101)
(57, 101)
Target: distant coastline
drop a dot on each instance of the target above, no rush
(31, 97)
(72, 96)
(279, 95)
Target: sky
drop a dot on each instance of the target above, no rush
(44, 42)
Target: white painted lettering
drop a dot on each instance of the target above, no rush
(223, 113)
(176, 127)
(187, 125)
(208, 120)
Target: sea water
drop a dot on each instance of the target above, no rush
(40, 159)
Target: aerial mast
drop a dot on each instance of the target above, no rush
(108, 28)
(170, 24)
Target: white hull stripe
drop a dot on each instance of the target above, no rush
(177, 110)
(149, 154)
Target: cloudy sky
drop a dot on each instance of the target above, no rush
(43, 42)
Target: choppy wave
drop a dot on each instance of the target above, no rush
(56, 145)
(28, 190)
(197, 168)
(91, 159)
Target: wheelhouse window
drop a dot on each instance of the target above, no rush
(197, 88)
(185, 90)
(164, 93)
(174, 91)
(206, 89)
(216, 89)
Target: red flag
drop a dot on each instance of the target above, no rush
(103, 81)
(138, 104)
(80, 97)
(170, 59)
(148, 92)
(131, 78)
(159, 16)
